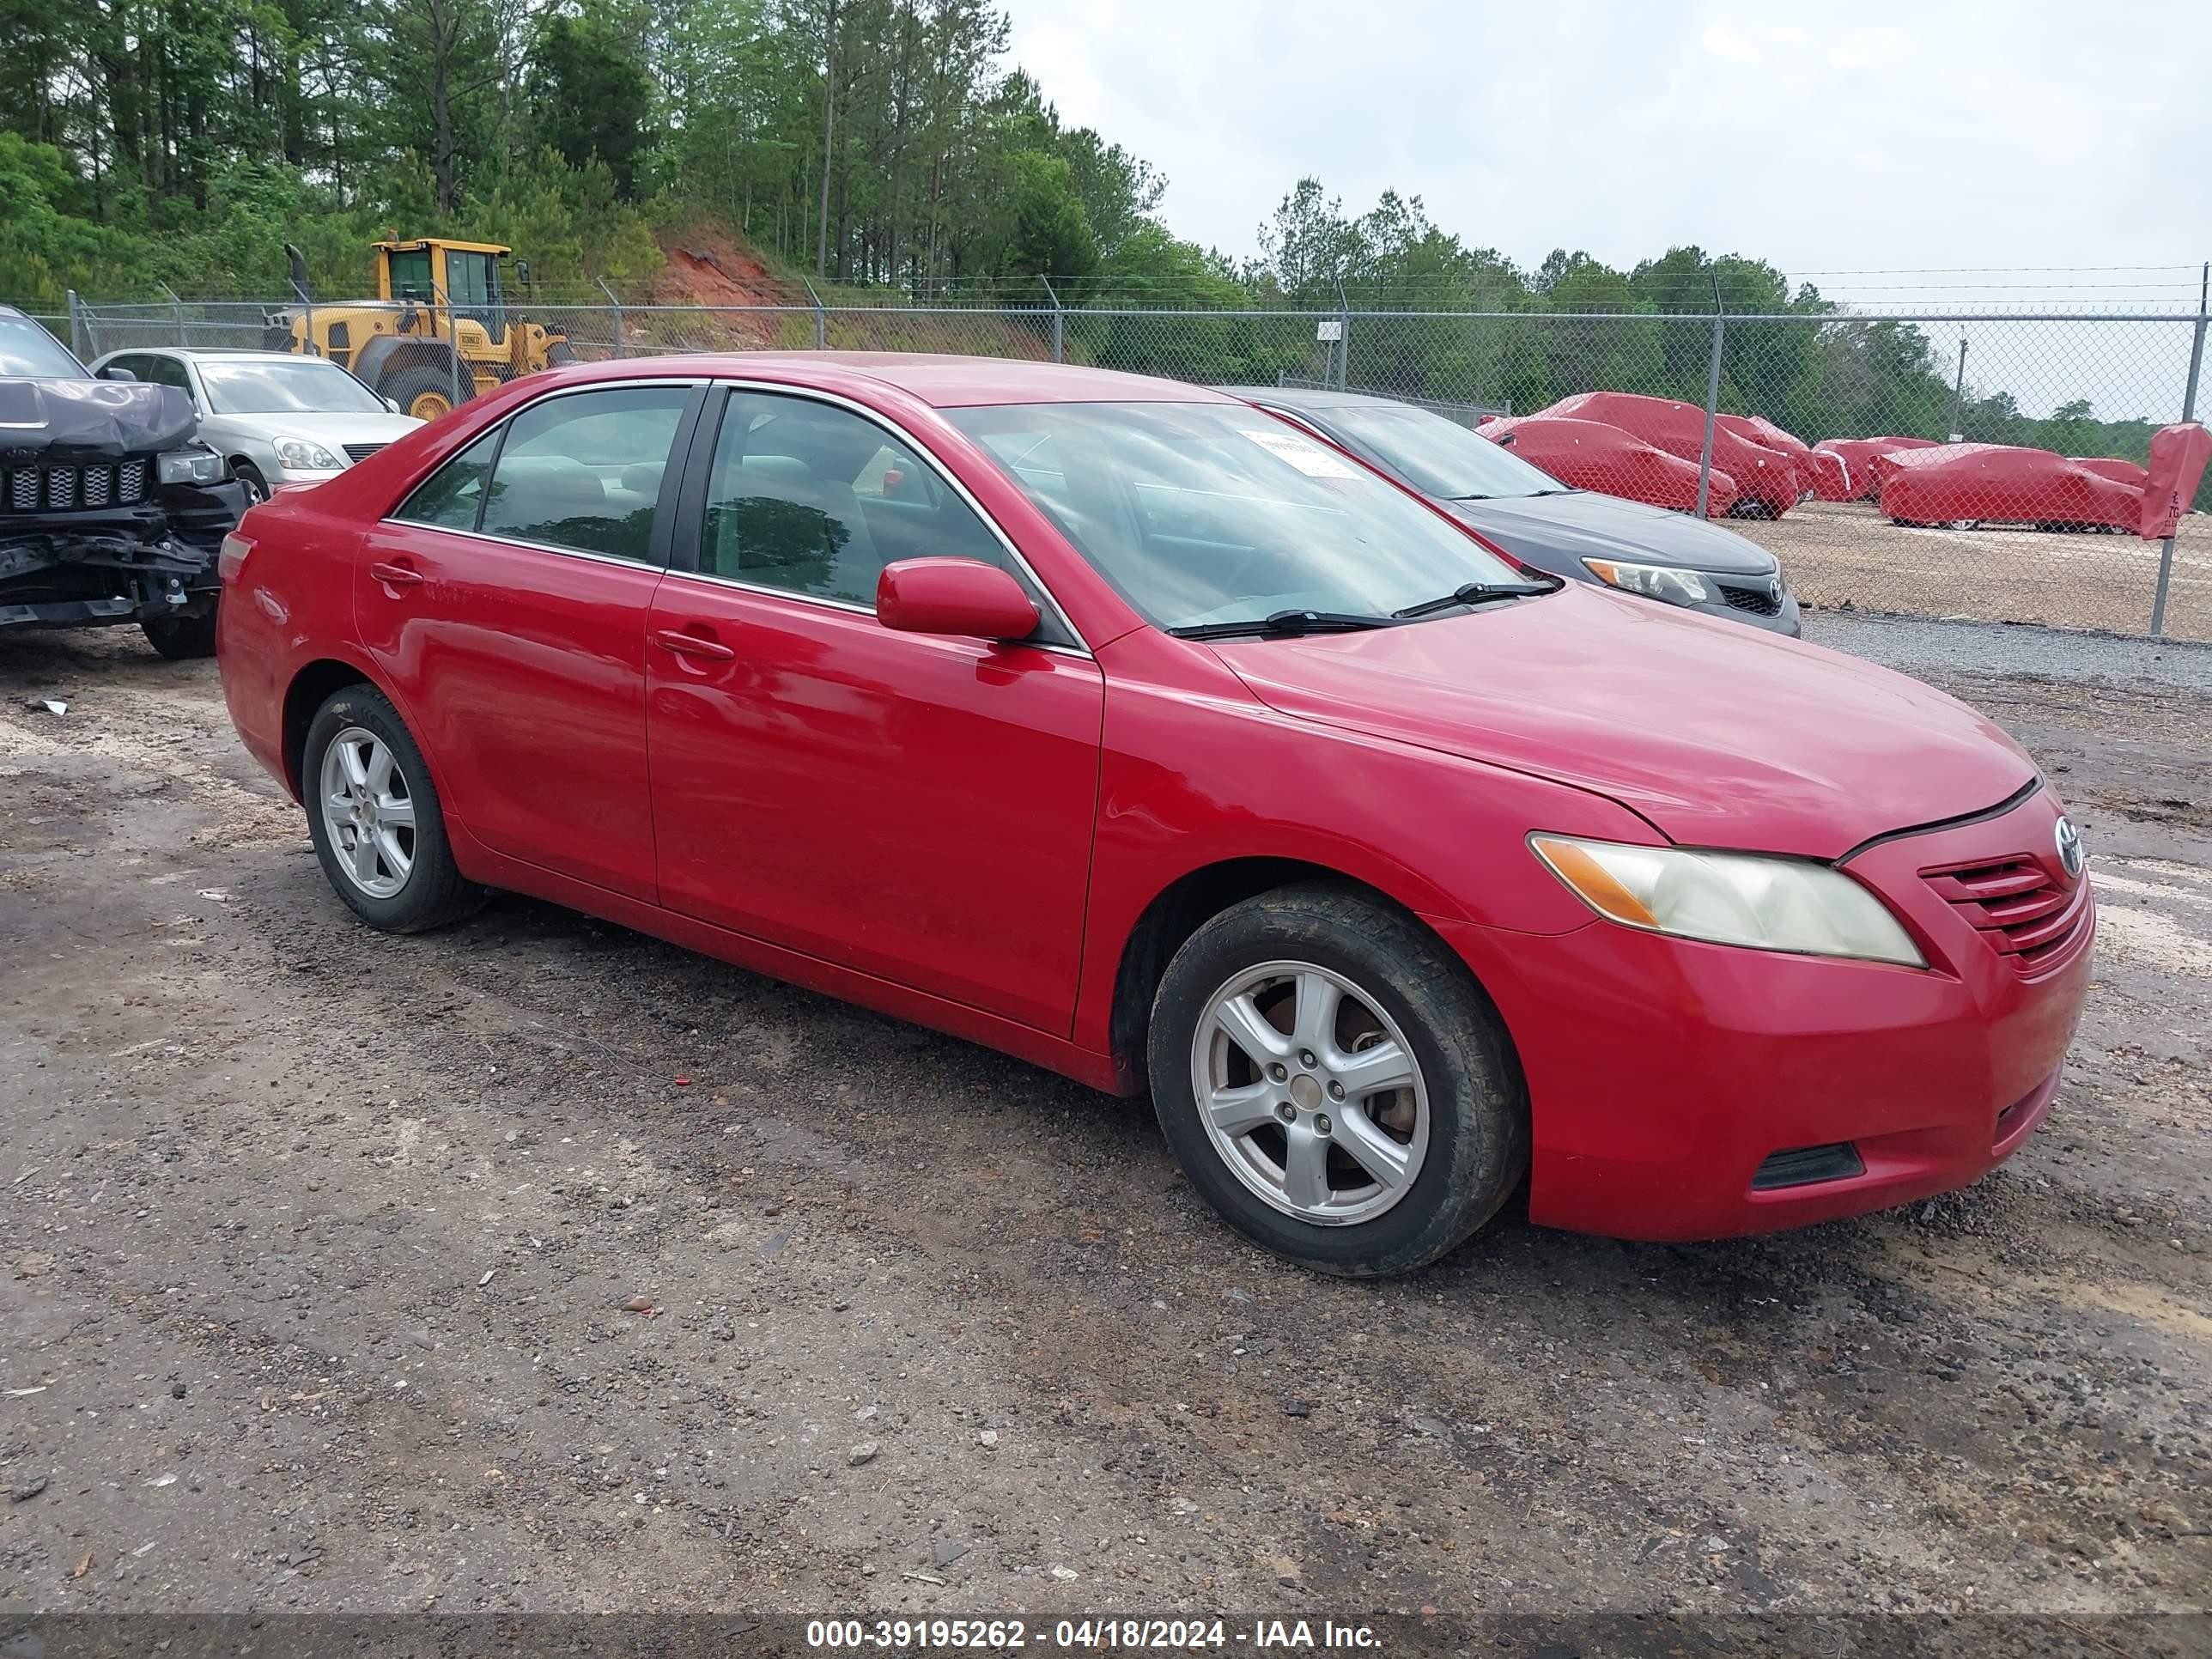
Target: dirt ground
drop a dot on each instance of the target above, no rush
(1846, 553)
(319, 1251)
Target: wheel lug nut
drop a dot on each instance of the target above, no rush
(1286, 1111)
(1321, 1124)
(1306, 1059)
(1336, 1091)
(1278, 1071)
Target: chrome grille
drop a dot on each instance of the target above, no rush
(361, 451)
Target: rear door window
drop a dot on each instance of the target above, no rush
(450, 497)
(585, 470)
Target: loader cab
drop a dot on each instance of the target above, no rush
(462, 277)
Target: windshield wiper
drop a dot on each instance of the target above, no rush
(1476, 593)
(1286, 622)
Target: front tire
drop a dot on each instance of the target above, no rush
(1334, 1083)
(374, 817)
(181, 639)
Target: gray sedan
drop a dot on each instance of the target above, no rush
(1575, 533)
(276, 417)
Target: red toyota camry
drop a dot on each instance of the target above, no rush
(1112, 723)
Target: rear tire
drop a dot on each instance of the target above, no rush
(1404, 1172)
(373, 816)
(181, 639)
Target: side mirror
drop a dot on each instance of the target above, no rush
(116, 372)
(963, 597)
(522, 273)
(392, 404)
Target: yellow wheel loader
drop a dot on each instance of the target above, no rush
(438, 332)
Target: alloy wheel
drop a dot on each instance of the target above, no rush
(368, 812)
(1310, 1093)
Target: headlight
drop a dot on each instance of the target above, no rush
(1730, 898)
(306, 456)
(201, 466)
(1655, 581)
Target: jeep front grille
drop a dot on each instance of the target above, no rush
(66, 489)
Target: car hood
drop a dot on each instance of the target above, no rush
(1718, 735)
(1545, 530)
(362, 428)
(90, 420)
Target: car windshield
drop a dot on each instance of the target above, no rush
(305, 387)
(1218, 513)
(1438, 457)
(28, 352)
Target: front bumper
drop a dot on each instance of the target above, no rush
(1662, 1073)
(142, 563)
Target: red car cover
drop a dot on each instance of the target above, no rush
(1762, 474)
(2002, 481)
(1857, 456)
(1591, 455)
(1832, 479)
(1760, 430)
(2112, 467)
(2177, 455)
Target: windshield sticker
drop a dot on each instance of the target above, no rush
(1308, 457)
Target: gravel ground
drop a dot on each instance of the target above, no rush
(537, 1265)
(1932, 649)
(1838, 553)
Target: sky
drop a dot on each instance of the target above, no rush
(1892, 138)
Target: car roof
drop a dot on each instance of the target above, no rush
(1311, 399)
(944, 381)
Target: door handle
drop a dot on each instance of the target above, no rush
(395, 575)
(691, 645)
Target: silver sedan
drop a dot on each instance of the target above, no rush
(278, 418)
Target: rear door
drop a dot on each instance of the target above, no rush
(507, 600)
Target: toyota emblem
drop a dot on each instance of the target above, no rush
(2069, 848)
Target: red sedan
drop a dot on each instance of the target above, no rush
(1111, 723)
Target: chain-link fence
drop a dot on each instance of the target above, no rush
(2005, 465)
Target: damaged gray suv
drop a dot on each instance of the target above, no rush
(110, 511)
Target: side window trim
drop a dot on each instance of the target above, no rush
(690, 526)
(490, 471)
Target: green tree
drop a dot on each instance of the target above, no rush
(590, 96)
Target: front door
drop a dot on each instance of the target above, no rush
(918, 808)
(506, 601)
